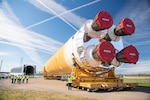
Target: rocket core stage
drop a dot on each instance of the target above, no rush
(98, 43)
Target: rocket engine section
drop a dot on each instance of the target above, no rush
(94, 55)
(103, 20)
(97, 44)
(128, 55)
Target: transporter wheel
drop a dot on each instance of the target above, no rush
(129, 88)
(83, 88)
(110, 89)
(78, 87)
(119, 89)
(89, 90)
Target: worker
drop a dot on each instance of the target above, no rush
(12, 79)
(27, 78)
(0, 76)
(15, 78)
(70, 83)
(23, 78)
(20, 79)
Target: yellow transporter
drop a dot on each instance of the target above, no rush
(93, 53)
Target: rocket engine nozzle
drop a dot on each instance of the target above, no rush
(128, 55)
(125, 27)
(104, 51)
(103, 20)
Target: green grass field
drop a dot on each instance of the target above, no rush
(8, 94)
(141, 81)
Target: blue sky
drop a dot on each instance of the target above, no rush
(33, 30)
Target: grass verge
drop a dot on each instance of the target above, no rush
(14, 94)
(141, 82)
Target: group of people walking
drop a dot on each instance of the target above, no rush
(19, 79)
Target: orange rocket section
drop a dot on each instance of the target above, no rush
(57, 65)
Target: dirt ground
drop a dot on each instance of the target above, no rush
(40, 84)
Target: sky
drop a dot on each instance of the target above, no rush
(31, 31)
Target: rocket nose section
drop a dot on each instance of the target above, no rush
(128, 55)
(106, 51)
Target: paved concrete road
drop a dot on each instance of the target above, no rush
(139, 93)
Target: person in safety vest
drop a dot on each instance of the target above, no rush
(70, 82)
(15, 78)
(18, 79)
(12, 79)
(27, 78)
(0, 76)
(23, 78)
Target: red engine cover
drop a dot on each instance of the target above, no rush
(106, 51)
(131, 54)
(104, 20)
(127, 26)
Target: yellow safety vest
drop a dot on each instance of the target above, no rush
(70, 80)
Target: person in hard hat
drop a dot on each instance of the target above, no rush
(70, 82)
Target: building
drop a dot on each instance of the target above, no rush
(24, 70)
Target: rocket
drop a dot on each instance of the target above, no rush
(98, 43)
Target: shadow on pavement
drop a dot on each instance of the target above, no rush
(136, 89)
(141, 89)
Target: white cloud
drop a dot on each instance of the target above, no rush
(51, 7)
(28, 41)
(143, 66)
(4, 54)
(7, 10)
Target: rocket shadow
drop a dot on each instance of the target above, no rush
(136, 89)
